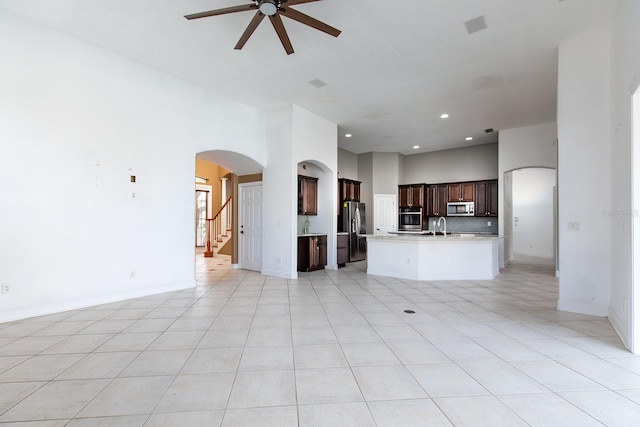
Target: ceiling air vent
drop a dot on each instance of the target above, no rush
(490, 130)
(317, 83)
(476, 24)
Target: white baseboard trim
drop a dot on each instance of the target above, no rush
(276, 273)
(621, 330)
(43, 310)
(582, 308)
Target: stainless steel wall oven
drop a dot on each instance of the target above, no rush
(410, 219)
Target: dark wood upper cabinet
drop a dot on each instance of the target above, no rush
(486, 198)
(348, 190)
(437, 196)
(411, 196)
(307, 195)
(461, 192)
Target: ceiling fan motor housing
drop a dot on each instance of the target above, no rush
(268, 7)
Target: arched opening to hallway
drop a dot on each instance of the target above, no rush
(222, 175)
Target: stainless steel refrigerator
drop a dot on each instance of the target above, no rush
(354, 222)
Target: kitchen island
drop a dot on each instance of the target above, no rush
(428, 257)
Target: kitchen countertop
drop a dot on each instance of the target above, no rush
(312, 234)
(452, 234)
(418, 238)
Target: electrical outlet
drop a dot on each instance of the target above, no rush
(132, 274)
(488, 223)
(6, 288)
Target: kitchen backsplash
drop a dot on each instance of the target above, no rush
(468, 224)
(301, 220)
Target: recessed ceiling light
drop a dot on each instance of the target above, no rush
(444, 116)
(415, 147)
(469, 138)
(348, 135)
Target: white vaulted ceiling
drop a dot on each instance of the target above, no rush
(394, 69)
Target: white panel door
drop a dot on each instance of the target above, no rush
(386, 213)
(250, 226)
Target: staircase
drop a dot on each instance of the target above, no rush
(219, 228)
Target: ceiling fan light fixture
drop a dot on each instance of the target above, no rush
(268, 7)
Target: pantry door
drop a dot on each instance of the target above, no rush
(385, 219)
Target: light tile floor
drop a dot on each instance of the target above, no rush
(332, 348)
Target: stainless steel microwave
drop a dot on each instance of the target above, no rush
(460, 209)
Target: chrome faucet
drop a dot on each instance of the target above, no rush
(443, 219)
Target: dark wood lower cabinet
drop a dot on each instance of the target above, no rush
(343, 249)
(312, 252)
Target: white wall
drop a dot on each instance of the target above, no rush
(625, 79)
(365, 174)
(472, 163)
(533, 233)
(584, 172)
(75, 123)
(530, 146)
(279, 205)
(347, 164)
(385, 173)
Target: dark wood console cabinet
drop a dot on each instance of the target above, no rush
(312, 252)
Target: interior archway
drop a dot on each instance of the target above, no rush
(222, 172)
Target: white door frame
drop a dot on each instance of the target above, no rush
(634, 309)
(241, 189)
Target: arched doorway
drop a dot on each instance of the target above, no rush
(226, 173)
(325, 221)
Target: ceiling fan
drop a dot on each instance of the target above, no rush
(273, 9)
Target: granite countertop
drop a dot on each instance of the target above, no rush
(312, 234)
(451, 238)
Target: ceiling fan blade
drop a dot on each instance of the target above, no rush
(257, 19)
(223, 11)
(294, 2)
(282, 33)
(307, 20)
